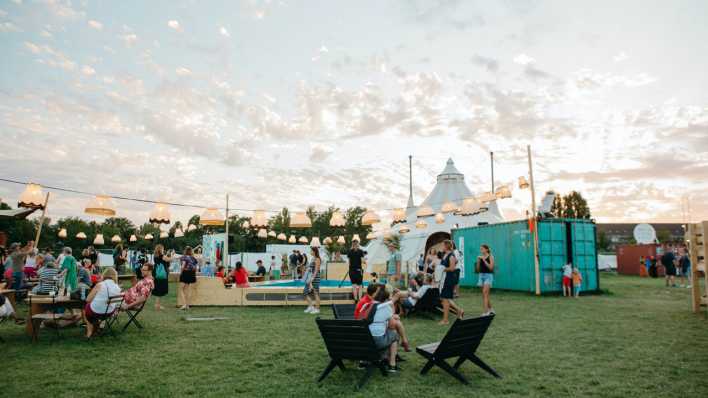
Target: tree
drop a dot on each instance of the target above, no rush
(557, 207)
(572, 205)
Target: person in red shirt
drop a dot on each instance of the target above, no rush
(364, 303)
(240, 275)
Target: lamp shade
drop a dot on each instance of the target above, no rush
(133, 238)
(246, 225)
(523, 183)
(272, 234)
(116, 239)
(149, 237)
(164, 234)
(179, 233)
(62, 233)
(337, 220)
(191, 227)
(469, 206)
(439, 218)
(370, 236)
(386, 233)
(486, 197)
(327, 241)
(160, 214)
(292, 239)
(98, 240)
(282, 236)
(399, 215)
(370, 218)
(211, 216)
(356, 238)
(300, 220)
(503, 192)
(262, 233)
(81, 235)
(425, 211)
(404, 229)
(101, 205)
(259, 219)
(32, 197)
(303, 239)
(421, 224)
(315, 242)
(448, 207)
(341, 240)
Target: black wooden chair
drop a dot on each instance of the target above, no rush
(350, 340)
(343, 311)
(133, 315)
(461, 342)
(429, 303)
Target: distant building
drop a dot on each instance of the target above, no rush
(623, 233)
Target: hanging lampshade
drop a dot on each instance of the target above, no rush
(133, 238)
(300, 220)
(399, 215)
(191, 227)
(164, 234)
(425, 211)
(116, 239)
(160, 214)
(303, 239)
(404, 229)
(246, 225)
(523, 183)
(179, 233)
(272, 234)
(337, 220)
(62, 233)
(315, 242)
(327, 241)
(81, 235)
(101, 205)
(148, 237)
(469, 206)
(449, 207)
(370, 236)
(439, 218)
(211, 216)
(262, 233)
(486, 197)
(421, 224)
(356, 237)
(387, 233)
(503, 192)
(341, 240)
(32, 197)
(282, 236)
(98, 240)
(259, 218)
(370, 218)
(292, 239)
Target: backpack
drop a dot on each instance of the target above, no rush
(160, 272)
(369, 313)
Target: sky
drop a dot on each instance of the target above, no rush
(319, 103)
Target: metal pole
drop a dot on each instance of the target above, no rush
(537, 268)
(225, 254)
(491, 157)
(410, 176)
(41, 221)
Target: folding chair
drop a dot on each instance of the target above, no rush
(133, 316)
(111, 319)
(461, 342)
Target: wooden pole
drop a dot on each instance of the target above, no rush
(537, 267)
(694, 240)
(491, 158)
(41, 221)
(225, 254)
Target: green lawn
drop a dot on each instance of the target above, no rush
(638, 339)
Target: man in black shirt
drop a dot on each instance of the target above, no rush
(261, 271)
(667, 260)
(293, 264)
(356, 273)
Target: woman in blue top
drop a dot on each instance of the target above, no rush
(187, 276)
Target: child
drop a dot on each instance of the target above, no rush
(567, 275)
(577, 281)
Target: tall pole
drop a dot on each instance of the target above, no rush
(410, 176)
(41, 221)
(491, 157)
(225, 254)
(537, 268)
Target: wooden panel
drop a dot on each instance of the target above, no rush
(211, 291)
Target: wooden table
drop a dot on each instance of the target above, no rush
(43, 303)
(10, 295)
(256, 278)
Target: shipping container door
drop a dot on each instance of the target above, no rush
(553, 254)
(585, 253)
(521, 266)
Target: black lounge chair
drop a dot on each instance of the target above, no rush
(461, 341)
(429, 303)
(343, 311)
(350, 340)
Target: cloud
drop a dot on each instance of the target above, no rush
(174, 24)
(129, 39)
(33, 48)
(621, 56)
(182, 71)
(63, 9)
(523, 59)
(224, 32)
(95, 24)
(88, 71)
(320, 153)
(490, 64)
(6, 27)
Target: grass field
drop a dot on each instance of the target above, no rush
(638, 339)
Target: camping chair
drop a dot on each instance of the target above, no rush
(350, 339)
(429, 303)
(343, 311)
(37, 319)
(461, 341)
(133, 315)
(111, 319)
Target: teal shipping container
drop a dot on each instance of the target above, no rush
(560, 240)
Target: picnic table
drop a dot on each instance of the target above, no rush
(256, 278)
(43, 303)
(10, 295)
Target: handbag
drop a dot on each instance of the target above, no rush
(160, 272)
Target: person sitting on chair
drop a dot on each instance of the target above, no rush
(139, 293)
(97, 307)
(361, 307)
(386, 327)
(261, 271)
(239, 276)
(6, 310)
(47, 279)
(409, 301)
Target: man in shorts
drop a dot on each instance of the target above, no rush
(667, 260)
(356, 273)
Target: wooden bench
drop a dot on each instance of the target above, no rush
(461, 341)
(343, 311)
(350, 340)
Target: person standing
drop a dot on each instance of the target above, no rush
(118, 259)
(685, 267)
(93, 254)
(432, 256)
(272, 270)
(356, 272)
(17, 257)
(293, 264)
(69, 271)
(393, 266)
(160, 275)
(187, 276)
(642, 270)
(31, 264)
(577, 281)
(667, 260)
(421, 263)
(485, 269)
(567, 279)
(449, 265)
(312, 283)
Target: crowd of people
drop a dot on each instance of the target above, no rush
(676, 264)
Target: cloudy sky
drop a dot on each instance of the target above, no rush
(289, 103)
